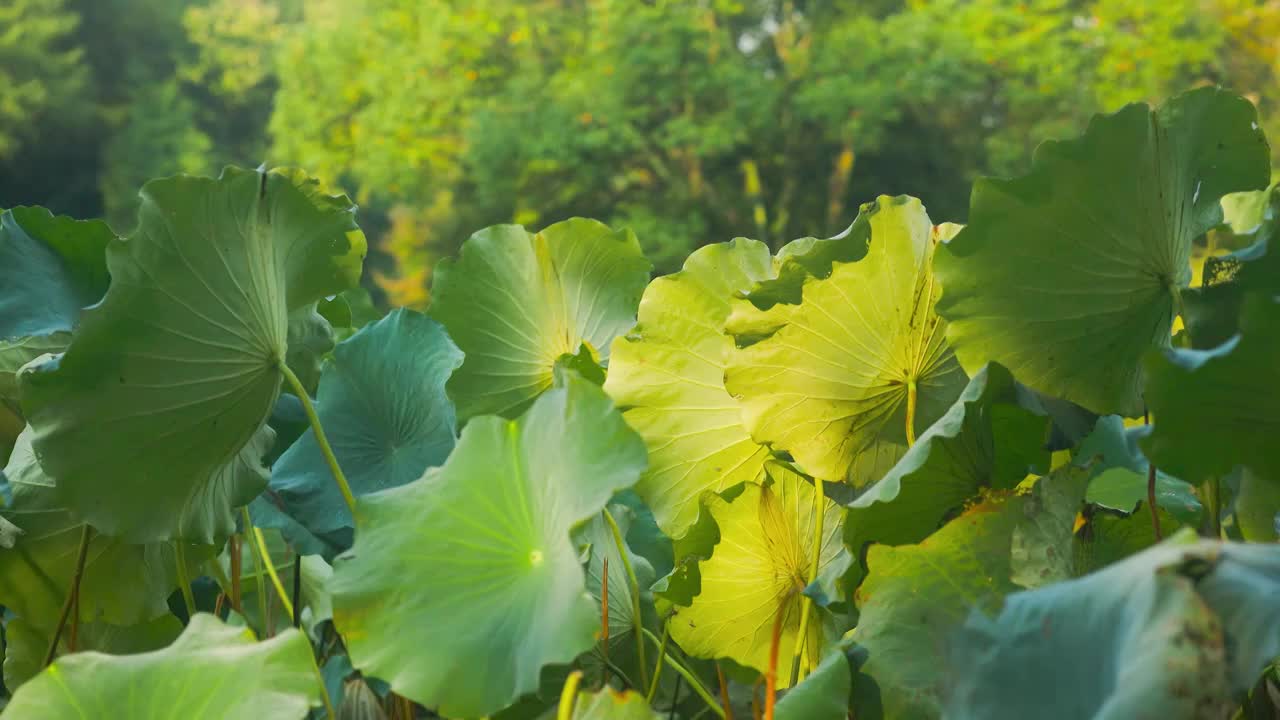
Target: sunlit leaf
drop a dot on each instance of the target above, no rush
(824, 693)
(179, 365)
(516, 302)
(757, 572)
(1070, 274)
(474, 561)
(832, 385)
(211, 671)
(668, 375)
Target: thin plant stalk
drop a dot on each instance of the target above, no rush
(771, 674)
(675, 700)
(73, 632)
(806, 602)
(569, 695)
(657, 668)
(297, 589)
(1212, 491)
(636, 618)
(324, 692)
(724, 693)
(257, 571)
(1151, 500)
(912, 392)
(86, 534)
(689, 678)
(271, 571)
(233, 549)
(321, 439)
(604, 610)
(184, 578)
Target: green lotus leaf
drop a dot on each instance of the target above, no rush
(179, 365)
(211, 671)
(1174, 631)
(474, 560)
(668, 374)
(598, 538)
(309, 339)
(123, 584)
(824, 693)
(1105, 536)
(1070, 274)
(758, 570)
(1257, 508)
(50, 268)
(383, 407)
(916, 595)
(809, 257)
(18, 352)
(832, 386)
(609, 704)
(1043, 544)
(1214, 409)
(27, 644)
(1120, 473)
(516, 302)
(992, 437)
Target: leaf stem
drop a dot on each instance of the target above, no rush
(806, 602)
(689, 677)
(86, 534)
(271, 571)
(569, 695)
(233, 548)
(1151, 500)
(604, 609)
(257, 571)
(324, 691)
(1212, 491)
(912, 392)
(297, 589)
(184, 578)
(636, 619)
(321, 439)
(724, 693)
(657, 668)
(771, 675)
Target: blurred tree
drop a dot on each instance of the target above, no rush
(42, 73)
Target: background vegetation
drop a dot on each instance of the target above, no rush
(690, 121)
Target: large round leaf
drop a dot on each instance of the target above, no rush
(123, 584)
(1175, 631)
(609, 704)
(383, 407)
(669, 375)
(178, 367)
(1215, 409)
(1071, 273)
(472, 566)
(518, 302)
(26, 644)
(915, 595)
(50, 268)
(757, 571)
(831, 386)
(211, 671)
(991, 438)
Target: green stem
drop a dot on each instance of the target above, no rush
(86, 534)
(1212, 491)
(657, 668)
(636, 617)
(324, 691)
(321, 439)
(1151, 500)
(257, 571)
(568, 695)
(184, 578)
(261, 543)
(912, 393)
(689, 677)
(806, 602)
